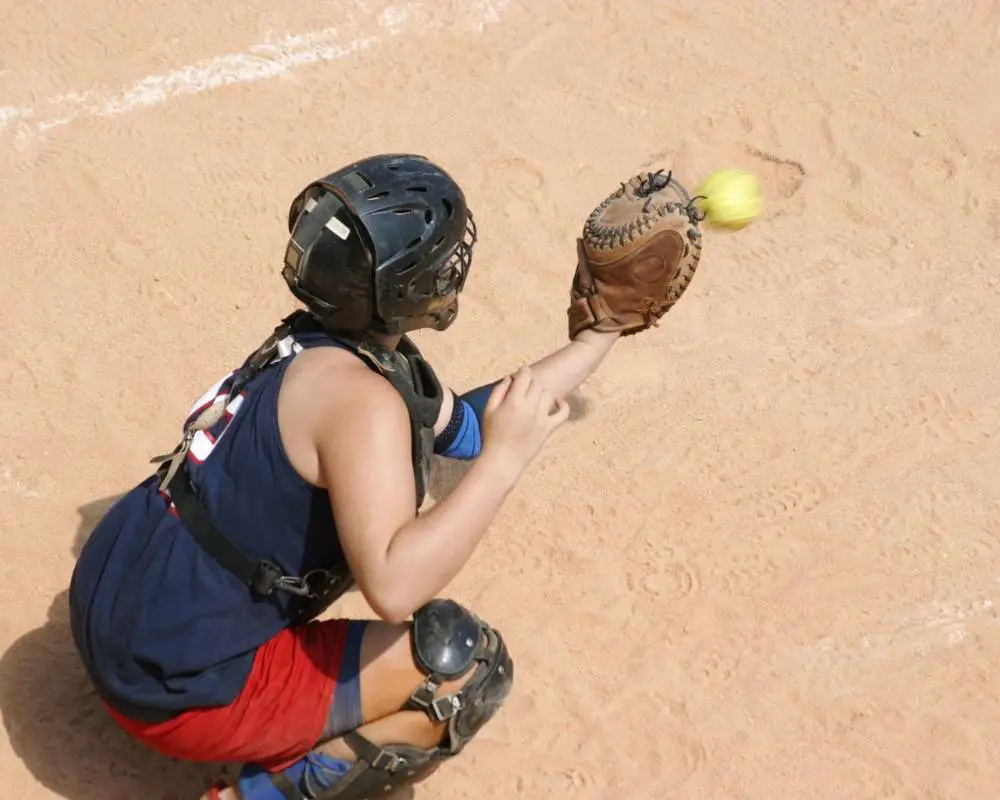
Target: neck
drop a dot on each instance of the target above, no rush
(390, 342)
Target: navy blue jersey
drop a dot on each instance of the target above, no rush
(160, 626)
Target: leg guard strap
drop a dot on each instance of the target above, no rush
(378, 770)
(306, 779)
(450, 641)
(375, 772)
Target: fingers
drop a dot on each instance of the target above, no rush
(498, 395)
(560, 413)
(535, 392)
(521, 382)
(554, 410)
(545, 402)
(513, 388)
(523, 388)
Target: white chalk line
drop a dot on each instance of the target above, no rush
(259, 62)
(916, 632)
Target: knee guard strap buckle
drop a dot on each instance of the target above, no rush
(378, 770)
(448, 642)
(440, 709)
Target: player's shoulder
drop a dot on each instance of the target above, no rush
(335, 377)
(331, 402)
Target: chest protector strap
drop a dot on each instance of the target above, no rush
(407, 371)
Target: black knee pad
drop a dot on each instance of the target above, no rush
(448, 642)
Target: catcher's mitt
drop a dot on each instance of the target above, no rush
(638, 253)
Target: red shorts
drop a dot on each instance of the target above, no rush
(302, 679)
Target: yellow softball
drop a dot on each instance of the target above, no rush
(729, 198)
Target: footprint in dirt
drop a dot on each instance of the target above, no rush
(780, 178)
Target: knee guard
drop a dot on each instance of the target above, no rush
(448, 642)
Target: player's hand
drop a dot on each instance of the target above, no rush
(520, 416)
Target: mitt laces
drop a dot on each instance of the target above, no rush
(653, 182)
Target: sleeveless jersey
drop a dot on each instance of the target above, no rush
(162, 627)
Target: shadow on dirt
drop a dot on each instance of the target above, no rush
(58, 728)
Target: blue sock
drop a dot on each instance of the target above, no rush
(314, 773)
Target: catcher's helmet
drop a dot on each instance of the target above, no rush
(382, 245)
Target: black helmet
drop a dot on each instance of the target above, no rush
(381, 245)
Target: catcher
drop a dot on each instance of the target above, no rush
(300, 474)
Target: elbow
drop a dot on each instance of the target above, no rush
(393, 614)
(389, 603)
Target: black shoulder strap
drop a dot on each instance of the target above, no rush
(408, 373)
(261, 575)
(418, 385)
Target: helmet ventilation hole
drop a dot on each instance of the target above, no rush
(379, 196)
(421, 189)
(449, 209)
(428, 216)
(358, 182)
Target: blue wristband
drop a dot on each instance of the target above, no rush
(462, 439)
(477, 398)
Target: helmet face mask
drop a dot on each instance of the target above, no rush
(383, 245)
(425, 293)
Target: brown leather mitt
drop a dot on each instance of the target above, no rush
(638, 253)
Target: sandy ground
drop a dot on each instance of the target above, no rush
(761, 563)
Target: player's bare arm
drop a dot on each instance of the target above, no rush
(347, 430)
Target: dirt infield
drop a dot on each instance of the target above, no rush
(762, 562)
